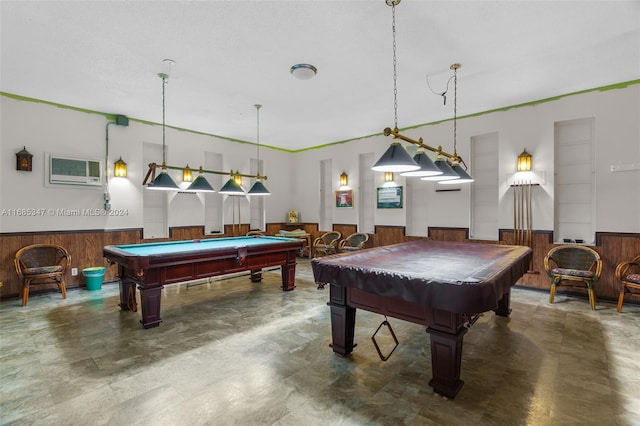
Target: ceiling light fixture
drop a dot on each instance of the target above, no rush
(303, 71)
(449, 164)
(448, 173)
(233, 187)
(163, 181)
(395, 158)
(258, 187)
(187, 176)
(200, 183)
(462, 175)
(427, 167)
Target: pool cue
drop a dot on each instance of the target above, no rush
(514, 212)
(525, 226)
(529, 230)
(521, 214)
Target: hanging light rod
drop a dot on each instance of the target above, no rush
(396, 134)
(151, 173)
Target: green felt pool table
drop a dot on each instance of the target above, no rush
(150, 266)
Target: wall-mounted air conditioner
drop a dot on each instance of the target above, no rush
(67, 170)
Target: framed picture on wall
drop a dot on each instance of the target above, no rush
(390, 197)
(344, 198)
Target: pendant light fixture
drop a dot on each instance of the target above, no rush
(461, 175)
(395, 158)
(187, 175)
(200, 184)
(258, 187)
(427, 167)
(163, 181)
(232, 187)
(450, 166)
(447, 171)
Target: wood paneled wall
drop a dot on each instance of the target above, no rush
(344, 229)
(85, 248)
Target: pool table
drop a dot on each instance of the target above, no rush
(443, 285)
(150, 266)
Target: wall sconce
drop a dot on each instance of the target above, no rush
(120, 168)
(186, 174)
(344, 179)
(388, 176)
(24, 160)
(524, 162)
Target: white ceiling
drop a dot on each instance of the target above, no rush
(230, 55)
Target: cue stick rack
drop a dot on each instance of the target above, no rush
(522, 213)
(522, 216)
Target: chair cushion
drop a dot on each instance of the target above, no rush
(572, 272)
(633, 278)
(42, 270)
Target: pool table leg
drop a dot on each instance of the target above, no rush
(128, 295)
(256, 276)
(343, 321)
(446, 330)
(150, 301)
(289, 275)
(503, 305)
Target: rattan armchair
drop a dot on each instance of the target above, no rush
(353, 242)
(42, 264)
(326, 244)
(572, 264)
(259, 233)
(628, 273)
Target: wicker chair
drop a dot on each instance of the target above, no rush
(250, 233)
(353, 242)
(569, 264)
(628, 273)
(326, 244)
(42, 264)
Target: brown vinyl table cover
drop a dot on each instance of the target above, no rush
(464, 278)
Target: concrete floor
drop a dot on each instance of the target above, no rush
(230, 352)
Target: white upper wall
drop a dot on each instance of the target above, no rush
(617, 127)
(27, 205)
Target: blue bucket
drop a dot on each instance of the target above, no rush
(93, 277)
